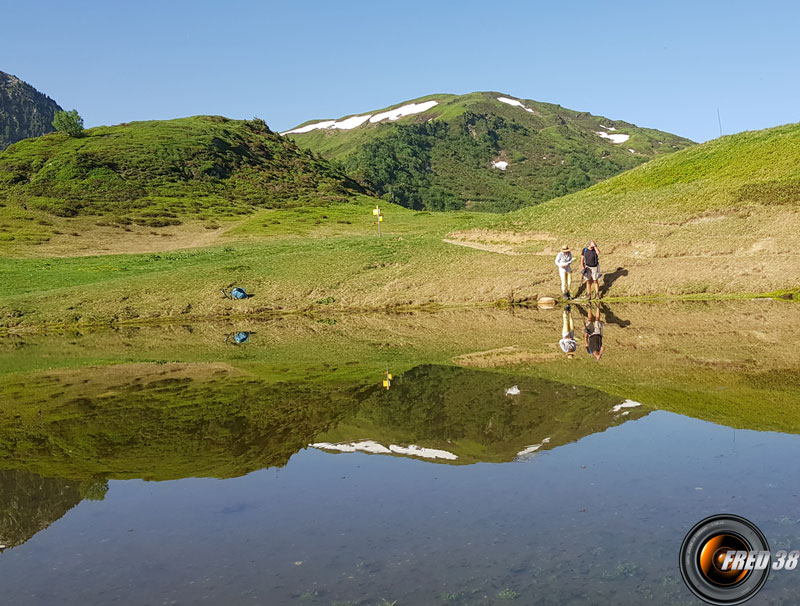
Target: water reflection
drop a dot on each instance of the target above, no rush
(468, 414)
(593, 332)
(567, 343)
(338, 490)
(565, 527)
(173, 425)
(29, 503)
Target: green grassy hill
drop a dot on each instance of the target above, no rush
(483, 150)
(159, 173)
(716, 219)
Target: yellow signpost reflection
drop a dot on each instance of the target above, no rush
(387, 382)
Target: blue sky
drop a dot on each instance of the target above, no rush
(665, 65)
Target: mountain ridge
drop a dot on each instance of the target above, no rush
(482, 150)
(24, 111)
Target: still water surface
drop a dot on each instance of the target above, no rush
(467, 494)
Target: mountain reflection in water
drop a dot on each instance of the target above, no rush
(176, 427)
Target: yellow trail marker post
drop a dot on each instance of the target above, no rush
(377, 212)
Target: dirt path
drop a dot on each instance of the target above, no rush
(496, 248)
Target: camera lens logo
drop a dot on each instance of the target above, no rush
(725, 560)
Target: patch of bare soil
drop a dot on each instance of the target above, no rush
(501, 237)
(502, 356)
(107, 240)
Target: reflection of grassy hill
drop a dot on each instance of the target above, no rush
(170, 421)
(203, 407)
(442, 157)
(466, 412)
(162, 422)
(703, 359)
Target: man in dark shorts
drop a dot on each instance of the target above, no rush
(590, 268)
(593, 334)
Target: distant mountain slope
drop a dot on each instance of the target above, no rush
(483, 150)
(24, 111)
(155, 173)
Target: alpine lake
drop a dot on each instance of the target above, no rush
(268, 462)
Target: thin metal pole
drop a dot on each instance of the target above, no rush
(719, 120)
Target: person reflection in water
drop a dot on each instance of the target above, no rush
(593, 333)
(567, 343)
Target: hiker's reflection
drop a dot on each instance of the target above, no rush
(593, 333)
(567, 342)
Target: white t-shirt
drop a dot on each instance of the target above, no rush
(563, 261)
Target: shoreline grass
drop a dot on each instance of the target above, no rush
(315, 312)
(730, 362)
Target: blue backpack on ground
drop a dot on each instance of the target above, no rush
(238, 338)
(236, 293)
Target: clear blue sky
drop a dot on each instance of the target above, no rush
(666, 65)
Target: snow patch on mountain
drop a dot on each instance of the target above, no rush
(355, 121)
(309, 127)
(613, 138)
(405, 110)
(515, 103)
(349, 123)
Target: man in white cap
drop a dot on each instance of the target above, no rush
(564, 264)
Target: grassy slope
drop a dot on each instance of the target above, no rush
(551, 151)
(716, 218)
(201, 170)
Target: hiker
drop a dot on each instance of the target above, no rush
(564, 264)
(593, 334)
(567, 342)
(590, 268)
